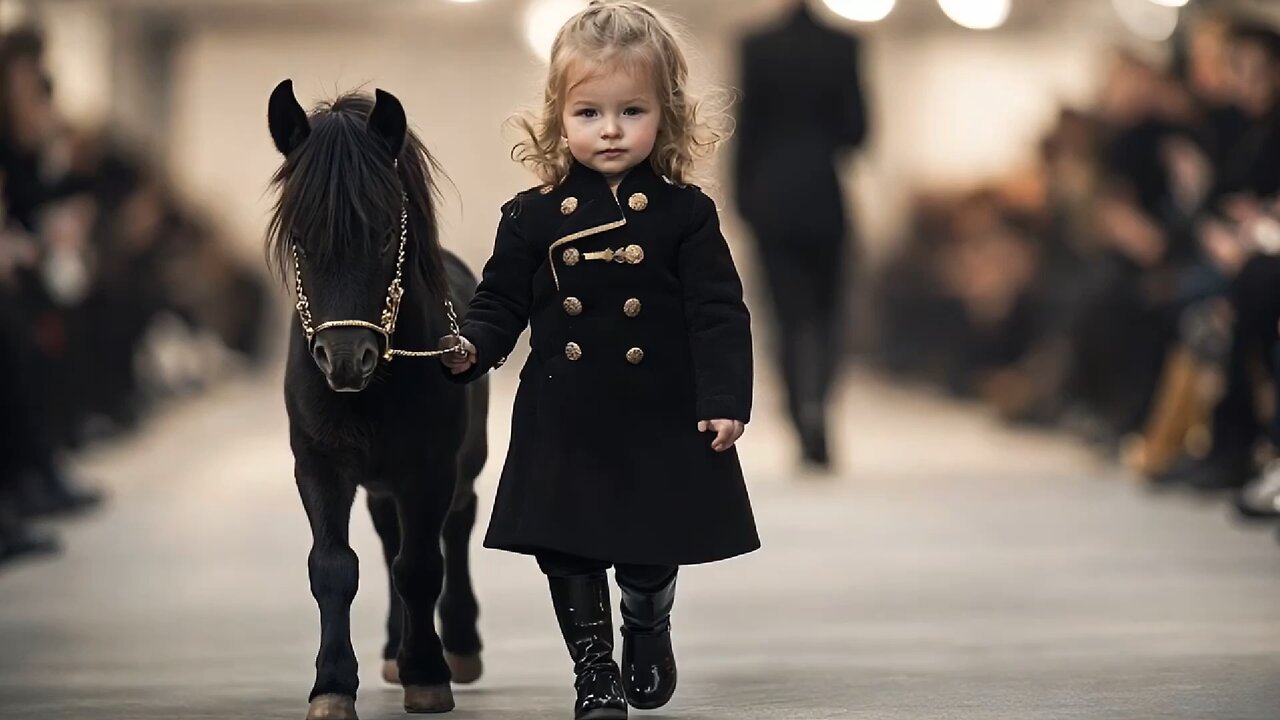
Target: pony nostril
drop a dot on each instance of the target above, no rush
(368, 360)
(322, 359)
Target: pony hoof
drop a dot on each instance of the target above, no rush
(466, 669)
(332, 707)
(428, 698)
(391, 672)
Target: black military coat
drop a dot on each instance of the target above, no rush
(639, 331)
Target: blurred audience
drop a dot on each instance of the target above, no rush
(1127, 289)
(102, 272)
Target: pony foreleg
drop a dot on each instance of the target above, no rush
(335, 575)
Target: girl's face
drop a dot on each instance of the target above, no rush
(611, 120)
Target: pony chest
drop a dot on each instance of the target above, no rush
(361, 430)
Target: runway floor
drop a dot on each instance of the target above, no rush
(953, 568)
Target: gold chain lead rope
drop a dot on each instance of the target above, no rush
(390, 314)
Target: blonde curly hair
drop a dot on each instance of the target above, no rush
(618, 35)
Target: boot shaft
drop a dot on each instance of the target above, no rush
(647, 611)
(649, 673)
(583, 611)
(582, 608)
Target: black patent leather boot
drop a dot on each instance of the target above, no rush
(648, 663)
(586, 621)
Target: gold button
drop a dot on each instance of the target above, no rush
(573, 351)
(568, 205)
(635, 356)
(546, 189)
(573, 306)
(638, 202)
(572, 256)
(631, 307)
(632, 254)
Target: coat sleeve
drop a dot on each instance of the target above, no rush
(718, 321)
(499, 311)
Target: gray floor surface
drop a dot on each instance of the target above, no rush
(952, 569)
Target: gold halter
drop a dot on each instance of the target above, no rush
(390, 313)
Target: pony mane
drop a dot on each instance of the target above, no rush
(341, 193)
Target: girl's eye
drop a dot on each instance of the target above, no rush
(586, 112)
(633, 111)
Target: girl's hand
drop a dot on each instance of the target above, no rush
(727, 432)
(457, 362)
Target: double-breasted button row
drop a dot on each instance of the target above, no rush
(637, 202)
(573, 351)
(630, 255)
(573, 307)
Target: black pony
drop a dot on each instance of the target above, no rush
(354, 229)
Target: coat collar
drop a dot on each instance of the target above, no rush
(583, 181)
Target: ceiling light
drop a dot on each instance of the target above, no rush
(1147, 20)
(543, 19)
(861, 10)
(977, 14)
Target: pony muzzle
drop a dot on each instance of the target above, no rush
(348, 356)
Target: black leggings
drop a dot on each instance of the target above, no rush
(641, 578)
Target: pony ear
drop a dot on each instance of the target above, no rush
(286, 119)
(387, 122)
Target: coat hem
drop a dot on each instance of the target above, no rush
(533, 549)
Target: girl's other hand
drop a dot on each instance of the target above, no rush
(727, 432)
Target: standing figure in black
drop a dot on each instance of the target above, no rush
(639, 378)
(801, 108)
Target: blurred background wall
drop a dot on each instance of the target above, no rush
(190, 77)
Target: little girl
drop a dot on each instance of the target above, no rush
(638, 382)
